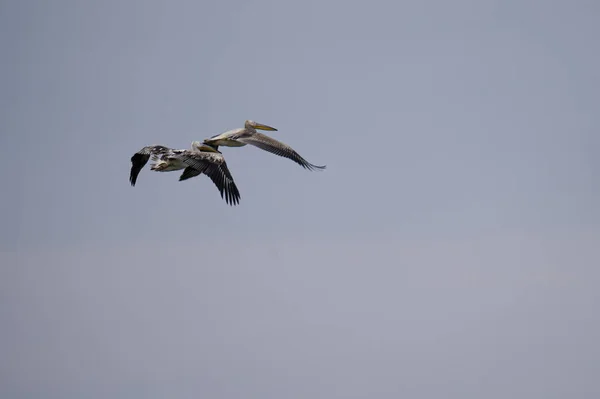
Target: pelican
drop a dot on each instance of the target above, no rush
(201, 158)
(249, 135)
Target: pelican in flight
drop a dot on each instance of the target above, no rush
(201, 158)
(249, 135)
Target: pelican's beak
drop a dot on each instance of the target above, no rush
(206, 148)
(264, 127)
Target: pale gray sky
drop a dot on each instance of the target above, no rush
(450, 249)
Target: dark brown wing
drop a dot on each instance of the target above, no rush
(222, 178)
(214, 166)
(188, 173)
(141, 158)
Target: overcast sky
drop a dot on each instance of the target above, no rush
(450, 250)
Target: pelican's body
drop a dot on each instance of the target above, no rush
(249, 135)
(201, 158)
(167, 165)
(168, 161)
(224, 139)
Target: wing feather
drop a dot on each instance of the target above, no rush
(276, 147)
(141, 158)
(225, 184)
(188, 173)
(214, 166)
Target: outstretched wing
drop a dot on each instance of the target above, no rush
(141, 158)
(273, 146)
(214, 166)
(222, 178)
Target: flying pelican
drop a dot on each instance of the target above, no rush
(201, 158)
(249, 135)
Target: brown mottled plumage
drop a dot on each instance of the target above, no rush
(200, 159)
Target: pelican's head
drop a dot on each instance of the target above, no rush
(255, 125)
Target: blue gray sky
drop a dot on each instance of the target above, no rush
(450, 249)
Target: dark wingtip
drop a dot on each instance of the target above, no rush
(312, 167)
(233, 197)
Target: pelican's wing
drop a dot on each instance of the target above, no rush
(227, 134)
(222, 178)
(233, 190)
(141, 158)
(273, 146)
(214, 166)
(199, 164)
(188, 173)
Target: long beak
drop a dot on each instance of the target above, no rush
(205, 148)
(264, 127)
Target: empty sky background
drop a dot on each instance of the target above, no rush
(450, 250)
